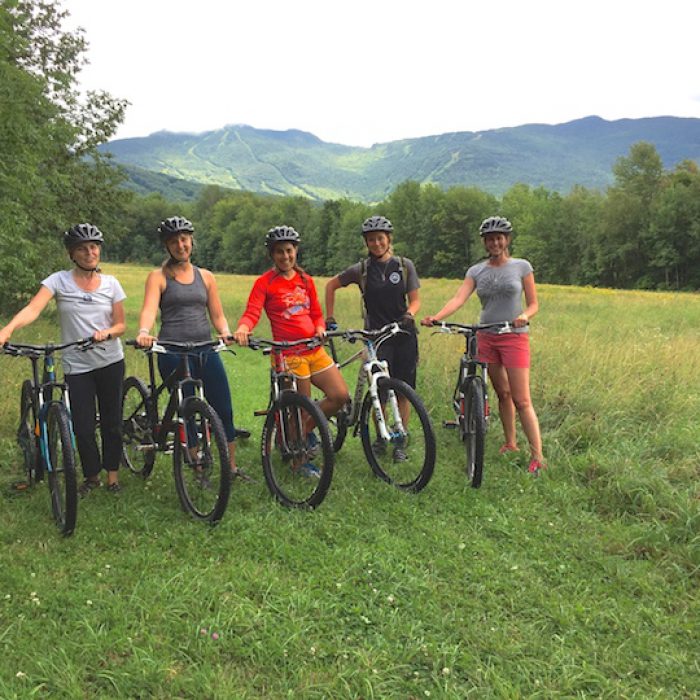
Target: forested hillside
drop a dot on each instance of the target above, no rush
(642, 230)
(292, 163)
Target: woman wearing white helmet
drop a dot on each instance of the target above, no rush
(500, 282)
(90, 304)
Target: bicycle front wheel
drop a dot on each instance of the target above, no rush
(26, 437)
(297, 475)
(200, 462)
(474, 429)
(61, 478)
(139, 447)
(407, 458)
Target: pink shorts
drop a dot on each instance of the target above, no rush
(512, 350)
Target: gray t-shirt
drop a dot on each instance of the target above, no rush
(500, 290)
(80, 314)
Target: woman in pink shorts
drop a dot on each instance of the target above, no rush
(500, 282)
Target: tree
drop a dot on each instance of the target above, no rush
(51, 174)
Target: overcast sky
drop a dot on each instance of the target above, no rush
(371, 71)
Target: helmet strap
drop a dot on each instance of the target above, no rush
(87, 269)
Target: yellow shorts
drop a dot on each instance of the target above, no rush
(306, 366)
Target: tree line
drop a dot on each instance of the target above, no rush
(643, 232)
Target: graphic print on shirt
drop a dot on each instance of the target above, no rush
(493, 286)
(297, 302)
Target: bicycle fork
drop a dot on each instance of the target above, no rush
(392, 405)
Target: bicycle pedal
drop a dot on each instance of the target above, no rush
(451, 424)
(263, 412)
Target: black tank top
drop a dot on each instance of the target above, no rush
(183, 310)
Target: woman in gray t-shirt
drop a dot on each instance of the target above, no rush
(500, 283)
(90, 304)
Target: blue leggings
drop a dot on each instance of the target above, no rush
(208, 367)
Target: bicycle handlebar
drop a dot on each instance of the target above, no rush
(27, 349)
(257, 343)
(466, 328)
(380, 334)
(173, 346)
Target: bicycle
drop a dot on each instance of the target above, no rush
(470, 400)
(45, 431)
(286, 450)
(188, 428)
(410, 462)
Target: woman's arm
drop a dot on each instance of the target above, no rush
(332, 285)
(155, 283)
(532, 307)
(459, 299)
(28, 314)
(413, 302)
(118, 324)
(214, 305)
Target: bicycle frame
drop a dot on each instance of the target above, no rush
(43, 390)
(174, 383)
(369, 373)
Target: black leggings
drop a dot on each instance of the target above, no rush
(105, 385)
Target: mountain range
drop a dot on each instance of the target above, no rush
(293, 162)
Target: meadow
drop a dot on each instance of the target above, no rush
(580, 583)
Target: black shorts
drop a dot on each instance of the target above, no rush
(401, 352)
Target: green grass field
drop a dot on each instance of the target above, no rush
(582, 583)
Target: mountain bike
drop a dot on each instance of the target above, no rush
(189, 429)
(45, 432)
(470, 400)
(287, 454)
(400, 448)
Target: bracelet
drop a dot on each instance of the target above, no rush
(143, 330)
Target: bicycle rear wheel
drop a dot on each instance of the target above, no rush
(295, 477)
(139, 447)
(200, 463)
(26, 437)
(474, 429)
(61, 477)
(407, 459)
(338, 428)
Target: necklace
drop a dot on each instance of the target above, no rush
(382, 266)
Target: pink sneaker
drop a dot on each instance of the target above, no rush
(536, 467)
(507, 448)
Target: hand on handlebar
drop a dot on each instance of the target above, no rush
(145, 340)
(428, 321)
(242, 335)
(407, 322)
(331, 324)
(521, 321)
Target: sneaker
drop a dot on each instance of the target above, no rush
(313, 444)
(243, 476)
(242, 433)
(399, 455)
(310, 470)
(87, 486)
(379, 447)
(536, 467)
(505, 448)
(114, 488)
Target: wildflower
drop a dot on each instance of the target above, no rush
(462, 545)
(20, 674)
(214, 635)
(445, 671)
(89, 602)
(390, 599)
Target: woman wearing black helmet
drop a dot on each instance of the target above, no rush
(389, 286)
(288, 296)
(188, 299)
(500, 282)
(90, 304)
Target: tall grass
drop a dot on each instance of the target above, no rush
(580, 583)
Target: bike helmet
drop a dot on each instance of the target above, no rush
(82, 233)
(281, 234)
(495, 224)
(377, 223)
(174, 225)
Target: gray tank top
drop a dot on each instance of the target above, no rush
(183, 310)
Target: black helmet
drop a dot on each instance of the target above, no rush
(281, 234)
(495, 224)
(377, 223)
(82, 233)
(174, 225)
